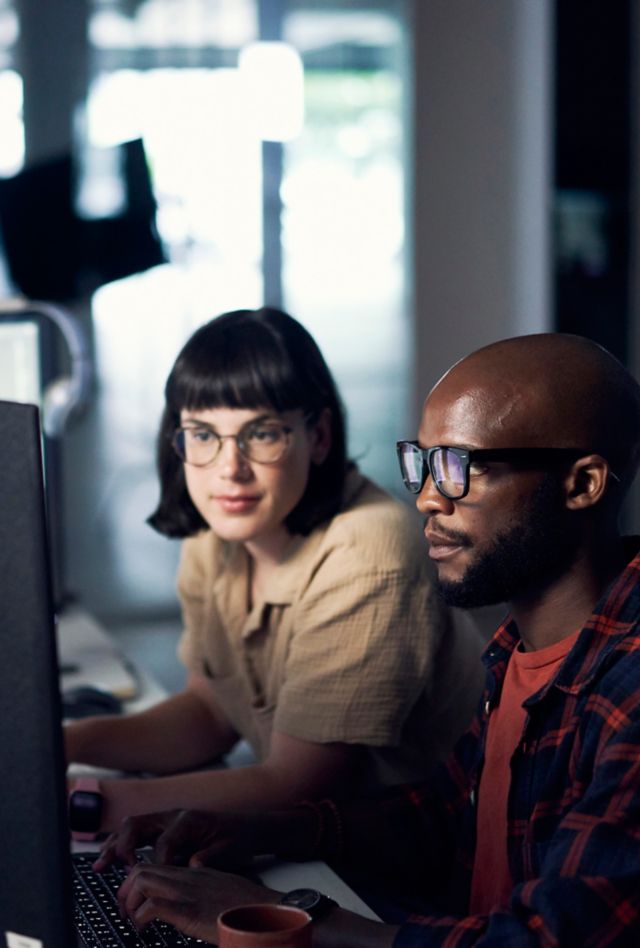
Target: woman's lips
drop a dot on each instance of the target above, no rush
(237, 505)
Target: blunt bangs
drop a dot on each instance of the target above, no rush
(240, 361)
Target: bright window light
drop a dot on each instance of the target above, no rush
(204, 161)
(273, 77)
(9, 27)
(20, 362)
(11, 123)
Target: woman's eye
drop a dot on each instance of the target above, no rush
(265, 433)
(200, 435)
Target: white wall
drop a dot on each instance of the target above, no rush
(482, 178)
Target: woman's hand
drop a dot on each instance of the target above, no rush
(190, 899)
(186, 837)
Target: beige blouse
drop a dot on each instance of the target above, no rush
(350, 644)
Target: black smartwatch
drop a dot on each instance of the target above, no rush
(311, 901)
(85, 809)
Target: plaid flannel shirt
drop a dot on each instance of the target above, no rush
(573, 810)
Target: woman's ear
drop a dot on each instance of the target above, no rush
(320, 435)
(587, 482)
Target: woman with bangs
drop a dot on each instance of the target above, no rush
(311, 629)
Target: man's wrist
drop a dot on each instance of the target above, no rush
(341, 927)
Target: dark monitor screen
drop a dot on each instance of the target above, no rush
(34, 892)
(27, 365)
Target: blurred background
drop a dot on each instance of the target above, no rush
(410, 178)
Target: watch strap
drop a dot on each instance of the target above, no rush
(88, 785)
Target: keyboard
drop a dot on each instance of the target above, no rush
(97, 917)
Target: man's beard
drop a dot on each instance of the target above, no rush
(525, 558)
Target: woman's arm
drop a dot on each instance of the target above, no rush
(185, 731)
(293, 771)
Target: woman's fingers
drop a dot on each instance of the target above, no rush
(134, 832)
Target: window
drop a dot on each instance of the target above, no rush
(315, 224)
(11, 121)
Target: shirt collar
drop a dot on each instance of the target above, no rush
(289, 575)
(615, 614)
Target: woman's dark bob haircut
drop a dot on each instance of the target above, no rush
(250, 359)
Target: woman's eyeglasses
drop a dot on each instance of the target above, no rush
(264, 442)
(449, 467)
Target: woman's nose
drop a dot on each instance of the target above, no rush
(231, 461)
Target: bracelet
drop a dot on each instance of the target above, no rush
(329, 836)
(319, 834)
(337, 836)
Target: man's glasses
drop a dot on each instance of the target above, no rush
(264, 442)
(449, 467)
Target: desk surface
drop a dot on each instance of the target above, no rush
(88, 655)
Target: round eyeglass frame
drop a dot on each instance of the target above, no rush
(239, 439)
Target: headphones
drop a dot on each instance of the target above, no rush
(69, 393)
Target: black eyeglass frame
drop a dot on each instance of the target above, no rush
(530, 457)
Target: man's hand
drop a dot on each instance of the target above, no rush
(190, 899)
(185, 838)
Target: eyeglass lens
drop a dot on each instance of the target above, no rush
(412, 465)
(264, 443)
(448, 472)
(447, 469)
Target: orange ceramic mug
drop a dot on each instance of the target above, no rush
(264, 926)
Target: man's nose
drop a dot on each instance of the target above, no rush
(430, 500)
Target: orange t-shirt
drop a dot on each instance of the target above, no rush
(527, 673)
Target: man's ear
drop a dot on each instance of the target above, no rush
(587, 482)
(320, 437)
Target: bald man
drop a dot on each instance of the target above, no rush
(530, 835)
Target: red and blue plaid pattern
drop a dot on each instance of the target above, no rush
(574, 804)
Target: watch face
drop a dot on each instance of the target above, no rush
(303, 898)
(85, 811)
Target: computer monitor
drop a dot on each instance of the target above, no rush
(27, 365)
(34, 888)
(54, 254)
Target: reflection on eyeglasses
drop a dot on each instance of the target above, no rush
(449, 467)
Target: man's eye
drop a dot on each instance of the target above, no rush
(476, 468)
(265, 434)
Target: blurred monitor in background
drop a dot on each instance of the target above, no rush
(54, 253)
